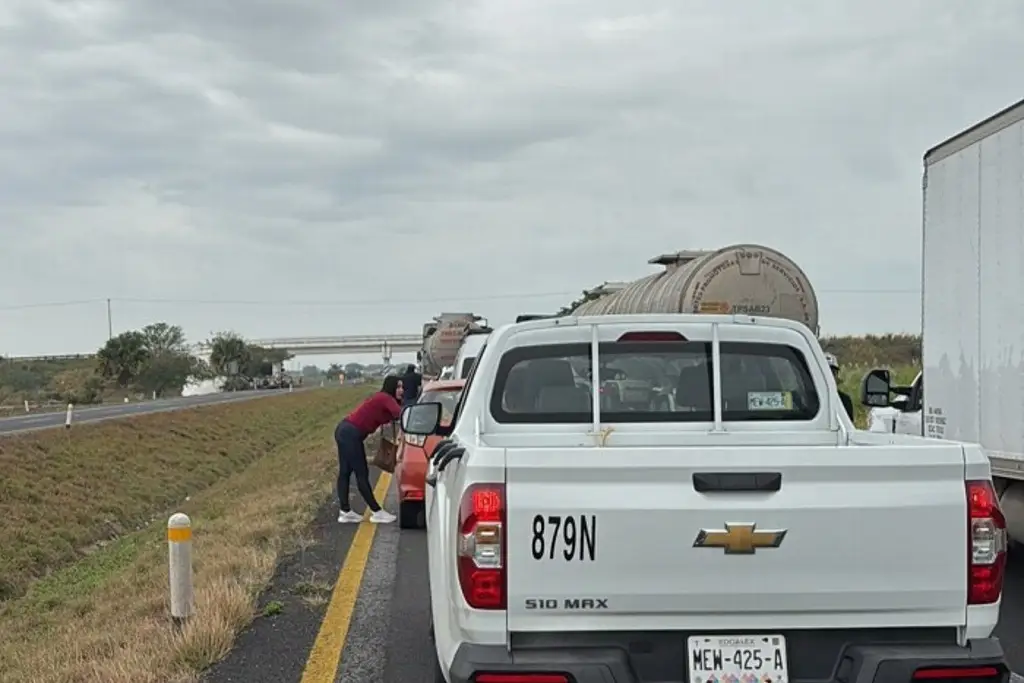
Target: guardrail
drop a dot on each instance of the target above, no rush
(339, 339)
(8, 410)
(36, 359)
(12, 409)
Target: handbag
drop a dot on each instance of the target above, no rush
(386, 456)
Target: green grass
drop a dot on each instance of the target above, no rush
(65, 494)
(850, 380)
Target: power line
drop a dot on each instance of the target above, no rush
(341, 302)
(52, 304)
(362, 302)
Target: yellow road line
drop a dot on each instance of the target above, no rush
(322, 665)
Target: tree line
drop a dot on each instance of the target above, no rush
(157, 359)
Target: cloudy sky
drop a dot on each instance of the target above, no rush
(312, 168)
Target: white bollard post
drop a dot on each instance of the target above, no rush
(26, 406)
(179, 548)
(125, 399)
(67, 418)
(154, 395)
(290, 387)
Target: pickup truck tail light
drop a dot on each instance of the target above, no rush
(986, 544)
(481, 552)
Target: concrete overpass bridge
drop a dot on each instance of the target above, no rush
(384, 344)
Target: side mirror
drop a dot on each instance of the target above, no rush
(421, 419)
(875, 387)
(900, 403)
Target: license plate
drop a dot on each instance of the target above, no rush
(737, 659)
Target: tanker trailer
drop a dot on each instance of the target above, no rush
(743, 278)
(442, 338)
(592, 296)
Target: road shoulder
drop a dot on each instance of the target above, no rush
(276, 646)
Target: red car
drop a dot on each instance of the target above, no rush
(414, 453)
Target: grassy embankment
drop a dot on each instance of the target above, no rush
(83, 575)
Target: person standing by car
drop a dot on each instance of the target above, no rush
(833, 363)
(350, 434)
(411, 383)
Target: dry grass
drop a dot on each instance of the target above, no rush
(256, 473)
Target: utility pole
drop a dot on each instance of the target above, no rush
(110, 322)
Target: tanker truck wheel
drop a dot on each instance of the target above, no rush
(1011, 501)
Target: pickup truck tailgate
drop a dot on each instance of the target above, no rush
(620, 538)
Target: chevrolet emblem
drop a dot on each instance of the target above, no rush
(739, 539)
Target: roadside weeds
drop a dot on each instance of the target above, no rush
(105, 618)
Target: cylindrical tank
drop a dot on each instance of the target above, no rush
(742, 278)
(599, 293)
(442, 339)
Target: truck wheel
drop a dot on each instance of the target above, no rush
(410, 513)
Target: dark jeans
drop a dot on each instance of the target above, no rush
(352, 460)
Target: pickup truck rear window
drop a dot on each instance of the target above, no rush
(653, 382)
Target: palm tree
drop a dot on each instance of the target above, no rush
(229, 354)
(123, 357)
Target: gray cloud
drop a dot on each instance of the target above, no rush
(433, 153)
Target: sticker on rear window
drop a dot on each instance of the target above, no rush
(769, 400)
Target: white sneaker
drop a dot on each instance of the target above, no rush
(350, 517)
(382, 516)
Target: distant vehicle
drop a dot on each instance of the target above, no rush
(414, 453)
(442, 338)
(725, 522)
(273, 382)
(472, 344)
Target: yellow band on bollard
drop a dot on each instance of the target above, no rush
(179, 534)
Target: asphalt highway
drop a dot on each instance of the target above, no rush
(374, 627)
(32, 421)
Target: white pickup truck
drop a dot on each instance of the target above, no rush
(721, 522)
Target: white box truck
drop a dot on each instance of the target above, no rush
(972, 385)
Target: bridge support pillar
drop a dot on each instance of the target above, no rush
(385, 352)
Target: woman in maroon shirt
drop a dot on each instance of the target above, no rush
(373, 413)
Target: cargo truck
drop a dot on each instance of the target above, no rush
(972, 385)
(442, 338)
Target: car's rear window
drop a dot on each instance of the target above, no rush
(448, 398)
(653, 382)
